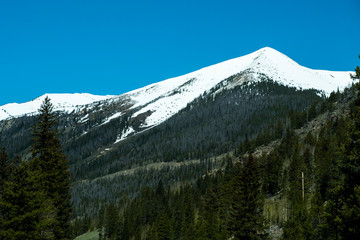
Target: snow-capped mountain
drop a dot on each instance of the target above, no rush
(166, 98)
(195, 116)
(161, 100)
(61, 102)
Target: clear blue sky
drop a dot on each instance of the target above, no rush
(111, 47)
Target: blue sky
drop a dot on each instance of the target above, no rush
(111, 47)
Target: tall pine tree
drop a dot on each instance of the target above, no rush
(341, 218)
(247, 203)
(351, 170)
(50, 161)
(26, 212)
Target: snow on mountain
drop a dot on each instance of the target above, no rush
(164, 99)
(281, 68)
(61, 102)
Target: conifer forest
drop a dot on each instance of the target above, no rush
(281, 163)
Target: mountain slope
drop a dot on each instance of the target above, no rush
(166, 98)
(61, 102)
(159, 101)
(187, 119)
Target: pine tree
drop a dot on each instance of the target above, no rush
(4, 168)
(331, 219)
(27, 212)
(351, 170)
(341, 217)
(3, 177)
(246, 211)
(49, 160)
(297, 166)
(111, 221)
(211, 215)
(163, 227)
(188, 223)
(271, 172)
(100, 223)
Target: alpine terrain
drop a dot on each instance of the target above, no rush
(182, 132)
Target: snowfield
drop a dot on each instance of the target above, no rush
(61, 102)
(161, 100)
(166, 98)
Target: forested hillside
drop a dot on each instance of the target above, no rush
(192, 139)
(181, 149)
(306, 187)
(257, 160)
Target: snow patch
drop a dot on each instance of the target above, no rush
(116, 115)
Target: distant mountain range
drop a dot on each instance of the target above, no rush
(169, 130)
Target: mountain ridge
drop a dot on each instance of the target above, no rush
(159, 101)
(198, 116)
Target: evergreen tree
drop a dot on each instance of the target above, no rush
(27, 212)
(211, 215)
(332, 222)
(341, 217)
(246, 212)
(297, 166)
(163, 227)
(351, 170)
(188, 223)
(271, 173)
(4, 168)
(178, 215)
(49, 160)
(3, 177)
(111, 221)
(100, 223)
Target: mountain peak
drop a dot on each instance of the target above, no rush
(165, 98)
(267, 50)
(270, 54)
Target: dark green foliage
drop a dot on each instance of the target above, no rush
(212, 228)
(163, 228)
(351, 167)
(196, 200)
(49, 160)
(100, 218)
(4, 168)
(248, 109)
(214, 123)
(341, 216)
(111, 222)
(327, 157)
(297, 227)
(246, 209)
(35, 195)
(188, 221)
(331, 219)
(296, 169)
(357, 72)
(271, 172)
(35, 199)
(27, 214)
(200, 212)
(205, 209)
(351, 170)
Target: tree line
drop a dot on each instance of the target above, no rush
(316, 177)
(35, 194)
